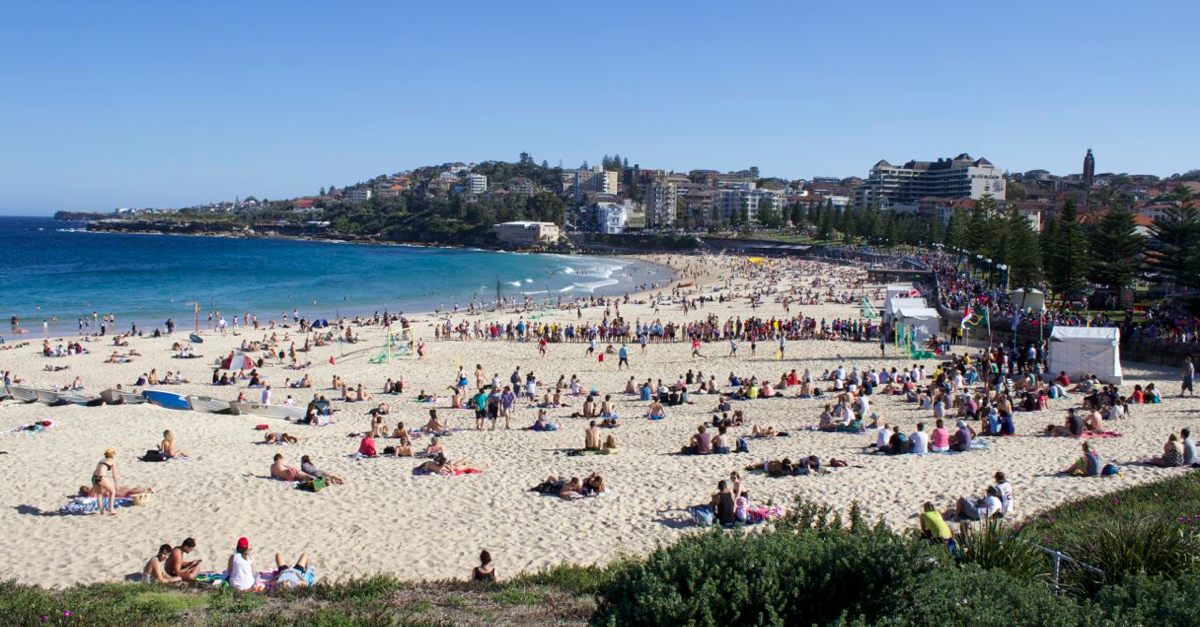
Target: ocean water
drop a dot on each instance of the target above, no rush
(57, 272)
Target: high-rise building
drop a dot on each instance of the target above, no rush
(659, 201)
(475, 183)
(960, 177)
(1089, 169)
(595, 179)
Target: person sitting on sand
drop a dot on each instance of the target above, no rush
(434, 449)
(700, 444)
(366, 447)
(593, 485)
(933, 526)
(169, 448)
(240, 573)
(656, 411)
(272, 437)
(591, 437)
(307, 467)
(606, 407)
(177, 566)
(898, 442)
(961, 440)
(1090, 465)
(1172, 453)
(724, 504)
(434, 425)
(825, 422)
(153, 571)
(283, 472)
(589, 407)
(720, 442)
(1094, 422)
(485, 572)
(543, 423)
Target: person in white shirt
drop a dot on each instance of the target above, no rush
(290, 402)
(240, 574)
(1004, 488)
(986, 507)
(266, 395)
(882, 436)
(919, 440)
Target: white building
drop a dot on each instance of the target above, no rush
(612, 217)
(358, 194)
(475, 184)
(595, 179)
(960, 177)
(660, 203)
(745, 200)
(527, 233)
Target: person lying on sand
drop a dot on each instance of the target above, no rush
(123, 492)
(272, 437)
(283, 472)
(442, 466)
(307, 467)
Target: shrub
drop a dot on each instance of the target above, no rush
(1146, 600)
(977, 597)
(770, 578)
(993, 544)
(1126, 546)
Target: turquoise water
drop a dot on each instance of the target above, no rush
(55, 271)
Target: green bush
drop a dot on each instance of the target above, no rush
(1146, 600)
(979, 598)
(1126, 546)
(770, 578)
(993, 544)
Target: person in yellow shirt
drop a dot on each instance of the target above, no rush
(933, 527)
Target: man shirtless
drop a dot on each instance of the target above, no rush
(591, 440)
(177, 567)
(283, 472)
(153, 571)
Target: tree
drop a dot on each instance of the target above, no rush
(754, 172)
(767, 215)
(1177, 233)
(1116, 248)
(1066, 269)
(797, 214)
(322, 192)
(1023, 256)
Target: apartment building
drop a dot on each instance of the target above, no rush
(959, 177)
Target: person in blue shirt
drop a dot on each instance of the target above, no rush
(622, 357)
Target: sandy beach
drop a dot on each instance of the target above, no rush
(384, 519)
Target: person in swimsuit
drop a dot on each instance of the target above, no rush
(176, 566)
(307, 467)
(299, 576)
(106, 487)
(153, 571)
(283, 472)
(485, 571)
(168, 446)
(279, 438)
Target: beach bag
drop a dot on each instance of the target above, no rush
(1110, 470)
(389, 450)
(315, 484)
(743, 445)
(154, 455)
(702, 517)
(600, 357)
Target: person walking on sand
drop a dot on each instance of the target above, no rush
(623, 357)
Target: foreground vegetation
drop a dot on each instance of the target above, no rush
(815, 567)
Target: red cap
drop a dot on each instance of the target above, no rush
(243, 544)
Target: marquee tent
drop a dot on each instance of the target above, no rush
(923, 321)
(1081, 351)
(896, 303)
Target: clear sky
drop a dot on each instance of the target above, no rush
(108, 104)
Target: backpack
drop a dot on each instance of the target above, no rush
(154, 455)
(1110, 470)
(743, 445)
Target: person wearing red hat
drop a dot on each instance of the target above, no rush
(240, 574)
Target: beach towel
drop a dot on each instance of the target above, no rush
(1099, 435)
(88, 505)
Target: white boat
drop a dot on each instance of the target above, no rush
(131, 398)
(280, 412)
(78, 398)
(22, 393)
(49, 397)
(209, 405)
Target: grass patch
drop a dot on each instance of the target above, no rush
(515, 595)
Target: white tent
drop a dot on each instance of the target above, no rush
(1080, 351)
(1034, 299)
(896, 303)
(923, 320)
(903, 290)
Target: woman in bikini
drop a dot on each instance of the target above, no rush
(104, 486)
(168, 446)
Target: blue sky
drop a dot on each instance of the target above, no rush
(109, 104)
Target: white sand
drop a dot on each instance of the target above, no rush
(386, 520)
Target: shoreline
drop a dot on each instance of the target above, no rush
(660, 273)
